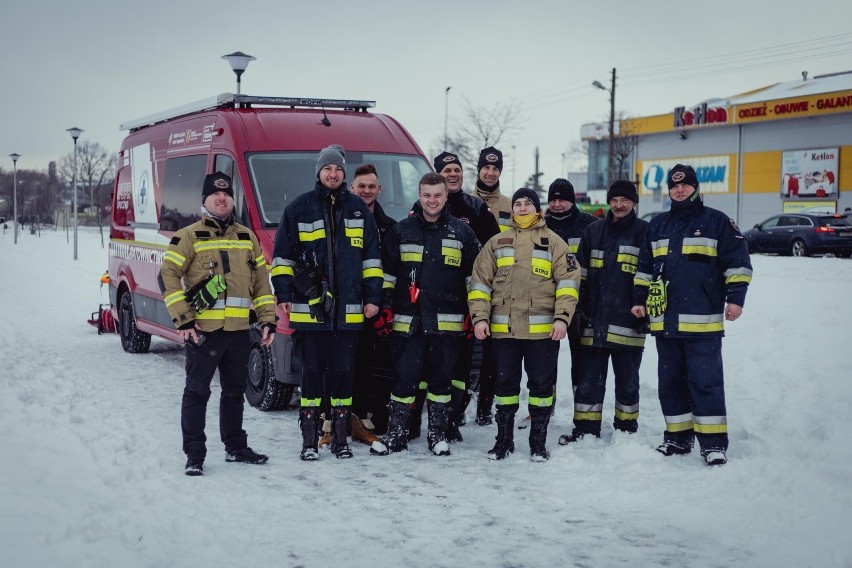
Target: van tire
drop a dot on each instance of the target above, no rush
(132, 340)
(263, 391)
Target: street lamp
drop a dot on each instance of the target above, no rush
(75, 133)
(15, 193)
(239, 61)
(446, 110)
(611, 91)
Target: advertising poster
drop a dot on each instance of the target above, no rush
(809, 173)
(713, 172)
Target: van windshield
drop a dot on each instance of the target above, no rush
(280, 177)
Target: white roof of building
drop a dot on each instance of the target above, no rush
(820, 84)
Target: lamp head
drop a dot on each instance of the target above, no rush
(14, 158)
(74, 132)
(239, 61)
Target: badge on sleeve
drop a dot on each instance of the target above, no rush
(572, 261)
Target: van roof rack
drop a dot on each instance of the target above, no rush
(230, 100)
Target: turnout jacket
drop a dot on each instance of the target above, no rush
(608, 255)
(202, 249)
(500, 205)
(473, 211)
(570, 226)
(383, 222)
(522, 281)
(703, 260)
(438, 257)
(336, 231)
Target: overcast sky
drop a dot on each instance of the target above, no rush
(95, 64)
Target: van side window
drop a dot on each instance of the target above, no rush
(182, 182)
(225, 164)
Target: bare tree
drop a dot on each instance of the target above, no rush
(481, 127)
(95, 172)
(624, 144)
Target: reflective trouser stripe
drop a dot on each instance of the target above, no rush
(711, 424)
(459, 385)
(341, 401)
(402, 399)
(422, 385)
(315, 402)
(679, 423)
(541, 401)
(443, 398)
(507, 400)
(624, 412)
(588, 412)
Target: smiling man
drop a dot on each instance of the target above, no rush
(429, 256)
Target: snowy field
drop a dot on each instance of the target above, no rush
(91, 473)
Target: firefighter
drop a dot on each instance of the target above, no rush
(523, 293)
(566, 220)
(489, 167)
(429, 258)
(222, 266)
(693, 274)
(373, 370)
(327, 275)
(608, 255)
(473, 211)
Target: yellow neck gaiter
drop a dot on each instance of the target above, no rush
(526, 221)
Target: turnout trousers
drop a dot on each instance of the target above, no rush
(591, 390)
(428, 357)
(328, 366)
(227, 351)
(538, 357)
(692, 392)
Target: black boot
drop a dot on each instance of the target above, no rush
(505, 431)
(340, 433)
(456, 413)
(483, 408)
(436, 433)
(309, 423)
(629, 426)
(540, 418)
(415, 417)
(396, 438)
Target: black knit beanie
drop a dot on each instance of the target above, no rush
(622, 188)
(444, 159)
(561, 188)
(529, 194)
(490, 156)
(216, 182)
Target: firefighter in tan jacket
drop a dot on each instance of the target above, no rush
(523, 293)
(224, 272)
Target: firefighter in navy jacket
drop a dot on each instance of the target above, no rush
(694, 270)
(429, 257)
(608, 255)
(327, 275)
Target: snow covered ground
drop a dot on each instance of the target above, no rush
(91, 472)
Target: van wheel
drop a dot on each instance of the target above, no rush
(798, 248)
(132, 340)
(263, 391)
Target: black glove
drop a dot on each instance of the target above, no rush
(320, 301)
(206, 295)
(383, 324)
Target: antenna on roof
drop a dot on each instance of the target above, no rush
(804, 75)
(325, 120)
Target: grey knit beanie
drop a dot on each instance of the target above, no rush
(333, 154)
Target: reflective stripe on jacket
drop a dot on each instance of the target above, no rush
(201, 249)
(522, 281)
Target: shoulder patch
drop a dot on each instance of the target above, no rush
(571, 260)
(244, 236)
(505, 241)
(545, 241)
(734, 225)
(174, 241)
(203, 234)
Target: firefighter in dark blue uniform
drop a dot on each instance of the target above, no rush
(472, 210)
(693, 274)
(327, 275)
(608, 255)
(564, 219)
(429, 257)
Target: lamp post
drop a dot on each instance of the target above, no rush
(611, 91)
(15, 194)
(75, 133)
(446, 111)
(239, 61)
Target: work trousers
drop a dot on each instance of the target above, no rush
(430, 357)
(692, 392)
(538, 357)
(374, 378)
(328, 366)
(229, 352)
(591, 390)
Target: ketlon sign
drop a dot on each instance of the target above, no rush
(700, 115)
(713, 173)
(794, 108)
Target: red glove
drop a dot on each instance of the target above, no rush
(468, 327)
(383, 324)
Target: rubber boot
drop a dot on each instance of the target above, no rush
(415, 417)
(340, 432)
(505, 445)
(483, 408)
(396, 438)
(436, 431)
(540, 418)
(309, 423)
(457, 406)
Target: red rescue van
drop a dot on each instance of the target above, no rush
(269, 146)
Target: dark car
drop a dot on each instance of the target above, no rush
(802, 234)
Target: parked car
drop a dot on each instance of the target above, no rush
(802, 234)
(650, 215)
